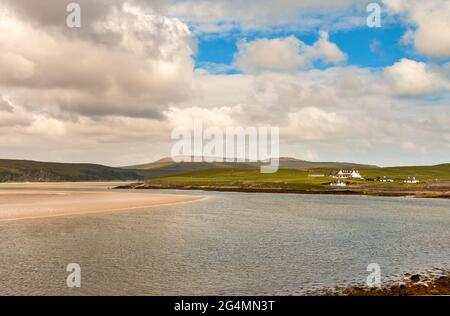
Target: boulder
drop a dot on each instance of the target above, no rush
(415, 278)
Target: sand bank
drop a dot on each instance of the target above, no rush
(30, 204)
(62, 185)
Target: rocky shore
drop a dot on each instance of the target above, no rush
(411, 285)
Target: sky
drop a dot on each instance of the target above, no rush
(112, 91)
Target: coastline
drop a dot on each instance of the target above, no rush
(350, 191)
(410, 285)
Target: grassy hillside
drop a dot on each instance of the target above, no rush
(245, 178)
(23, 170)
(423, 173)
(301, 179)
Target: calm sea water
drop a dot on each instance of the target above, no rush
(227, 244)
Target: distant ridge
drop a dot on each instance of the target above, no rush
(169, 165)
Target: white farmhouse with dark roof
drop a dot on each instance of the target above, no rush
(346, 174)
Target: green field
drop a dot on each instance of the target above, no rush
(245, 178)
(424, 173)
(302, 180)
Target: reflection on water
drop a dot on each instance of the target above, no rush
(229, 244)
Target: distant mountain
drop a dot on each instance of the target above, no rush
(171, 167)
(34, 171)
(292, 163)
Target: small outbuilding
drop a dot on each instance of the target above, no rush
(411, 180)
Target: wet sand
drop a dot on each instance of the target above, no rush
(62, 185)
(40, 203)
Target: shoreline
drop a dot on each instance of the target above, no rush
(411, 285)
(38, 204)
(367, 192)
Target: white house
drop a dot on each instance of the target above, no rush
(338, 184)
(411, 180)
(346, 174)
(386, 179)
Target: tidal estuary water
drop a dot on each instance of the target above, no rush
(227, 244)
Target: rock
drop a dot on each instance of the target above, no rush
(422, 284)
(415, 278)
(400, 285)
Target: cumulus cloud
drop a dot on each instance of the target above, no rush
(286, 54)
(312, 123)
(327, 51)
(270, 54)
(431, 35)
(411, 78)
(148, 67)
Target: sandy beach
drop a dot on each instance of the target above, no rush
(61, 185)
(37, 202)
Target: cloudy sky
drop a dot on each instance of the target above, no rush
(111, 91)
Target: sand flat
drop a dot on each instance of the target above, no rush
(29, 204)
(62, 185)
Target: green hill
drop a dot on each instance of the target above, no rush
(25, 170)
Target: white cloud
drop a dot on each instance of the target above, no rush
(313, 124)
(327, 51)
(286, 54)
(432, 22)
(149, 65)
(271, 54)
(411, 78)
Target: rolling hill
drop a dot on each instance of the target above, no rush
(34, 171)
